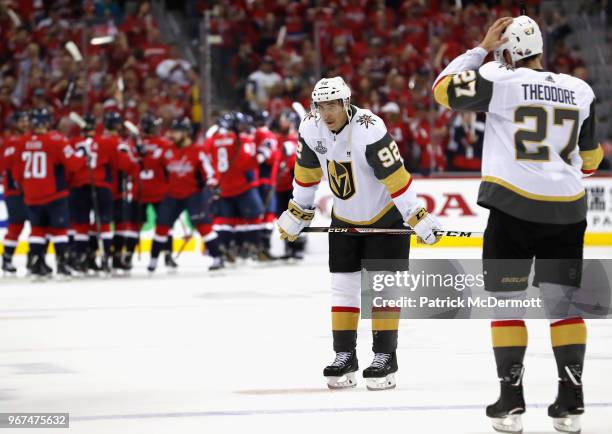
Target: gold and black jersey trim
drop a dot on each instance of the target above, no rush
(307, 177)
(388, 217)
(466, 91)
(306, 157)
(373, 157)
(591, 159)
(586, 137)
(501, 195)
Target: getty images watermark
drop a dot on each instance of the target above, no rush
(471, 288)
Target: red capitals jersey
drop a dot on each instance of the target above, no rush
(153, 181)
(7, 159)
(402, 135)
(188, 169)
(266, 145)
(104, 159)
(287, 154)
(234, 162)
(41, 166)
(122, 161)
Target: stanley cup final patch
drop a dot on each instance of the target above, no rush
(320, 146)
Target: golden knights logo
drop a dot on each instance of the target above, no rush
(341, 179)
(366, 120)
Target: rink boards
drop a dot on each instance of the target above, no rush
(453, 200)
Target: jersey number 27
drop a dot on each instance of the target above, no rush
(539, 135)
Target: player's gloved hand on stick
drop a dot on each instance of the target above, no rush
(294, 220)
(424, 224)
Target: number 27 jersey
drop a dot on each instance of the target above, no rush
(539, 138)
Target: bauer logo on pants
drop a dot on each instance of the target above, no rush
(341, 179)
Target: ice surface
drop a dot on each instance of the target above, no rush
(243, 351)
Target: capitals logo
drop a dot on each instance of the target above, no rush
(341, 180)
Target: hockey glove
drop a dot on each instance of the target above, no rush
(424, 224)
(294, 220)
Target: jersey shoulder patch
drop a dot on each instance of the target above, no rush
(369, 126)
(496, 71)
(308, 126)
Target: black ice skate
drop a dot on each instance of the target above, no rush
(92, 265)
(118, 265)
(105, 266)
(380, 375)
(341, 373)
(39, 269)
(171, 264)
(569, 405)
(128, 261)
(63, 269)
(506, 413)
(217, 264)
(8, 269)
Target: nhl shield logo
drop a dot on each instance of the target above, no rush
(320, 147)
(341, 180)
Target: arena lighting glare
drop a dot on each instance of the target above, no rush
(101, 40)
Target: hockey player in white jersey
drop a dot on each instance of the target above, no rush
(351, 149)
(539, 143)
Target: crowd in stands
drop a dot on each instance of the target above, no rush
(388, 51)
(126, 66)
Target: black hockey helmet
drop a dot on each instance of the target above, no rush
(148, 123)
(290, 117)
(20, 115)
(261, 117)
(228, 121)
(40, 117)
(90, 122)
(112, 120)
(181, 124)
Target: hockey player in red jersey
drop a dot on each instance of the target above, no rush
(119, 183)
(190, 178)
(42, 161)
(267, 155)
(288, 122)
(150, 183)
(16, 208)
(104, 159)
(240, 207)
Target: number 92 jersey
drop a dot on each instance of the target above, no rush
(539, 138)
(362, 165)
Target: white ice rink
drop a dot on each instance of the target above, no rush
(244, 351)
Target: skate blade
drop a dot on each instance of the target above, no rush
(62, 278)
(569, 424)
(345, 381)
(509, 424)
(382, 383)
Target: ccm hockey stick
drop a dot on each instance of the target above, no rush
(387, 231)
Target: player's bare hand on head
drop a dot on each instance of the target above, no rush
(493, 39)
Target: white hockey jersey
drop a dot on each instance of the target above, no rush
(539, 137)
(363, 167)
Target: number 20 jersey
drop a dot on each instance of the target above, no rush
(539, 138)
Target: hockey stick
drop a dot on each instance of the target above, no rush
(387, 231)
(133, 129)
(74, 117)
(299, 109)
(72, 48)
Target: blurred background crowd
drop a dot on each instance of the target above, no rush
(148, 57)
